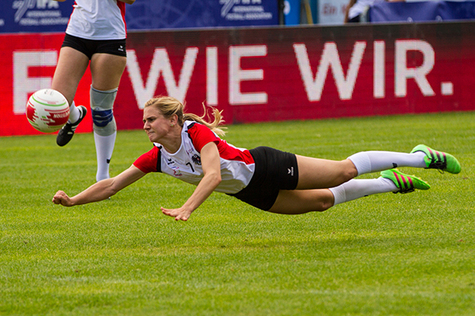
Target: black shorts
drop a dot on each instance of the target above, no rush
(91, 47)
(275, 170)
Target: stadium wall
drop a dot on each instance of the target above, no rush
(266, 74)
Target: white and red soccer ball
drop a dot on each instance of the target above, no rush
(47, 110)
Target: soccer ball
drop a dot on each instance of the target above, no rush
(47, 110)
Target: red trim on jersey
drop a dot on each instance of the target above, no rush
(201, 135)
(148, 161)
(121, 6)
(229, 152)
(74, 8)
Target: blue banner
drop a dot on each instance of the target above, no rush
(421, 11)
(292, 12)
(171, 14)
(34, 16)
(40, 16)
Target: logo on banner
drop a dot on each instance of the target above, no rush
(244, 10)
(38, 13)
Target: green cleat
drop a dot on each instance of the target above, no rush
(404, 182)
(438, 160)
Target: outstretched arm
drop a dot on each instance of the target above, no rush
(100, 190)
(212, 177)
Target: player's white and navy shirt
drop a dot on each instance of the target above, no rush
(98, 20)
(237, 164)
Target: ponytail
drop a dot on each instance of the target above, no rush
(169, 106)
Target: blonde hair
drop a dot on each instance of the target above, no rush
(169, 106)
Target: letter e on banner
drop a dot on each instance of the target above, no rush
(237, 74)
(22, 84)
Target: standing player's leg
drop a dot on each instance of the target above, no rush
(106, 70)
(70, 68)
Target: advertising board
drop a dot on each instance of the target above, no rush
(266, 74)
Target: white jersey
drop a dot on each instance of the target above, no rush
(237, 165)
(98, 20)
(359, 7)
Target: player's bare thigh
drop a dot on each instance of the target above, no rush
(70, 69)
(106, 71)
(317, 173)
(302, 201)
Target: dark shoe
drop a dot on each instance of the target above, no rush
(67, 132)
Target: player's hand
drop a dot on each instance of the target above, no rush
(62, 198)
(180, 214)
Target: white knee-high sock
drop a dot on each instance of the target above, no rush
(104, 149)
(73, 113)
(371, 161)
(357, 188)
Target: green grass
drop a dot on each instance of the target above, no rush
(388, 254)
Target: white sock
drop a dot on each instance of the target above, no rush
(74, 113)
(357, 188)
(104, 149)
(372, 161)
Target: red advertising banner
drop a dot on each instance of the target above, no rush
(266, 74)
(28, 62)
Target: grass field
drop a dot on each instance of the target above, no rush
(389, 254)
